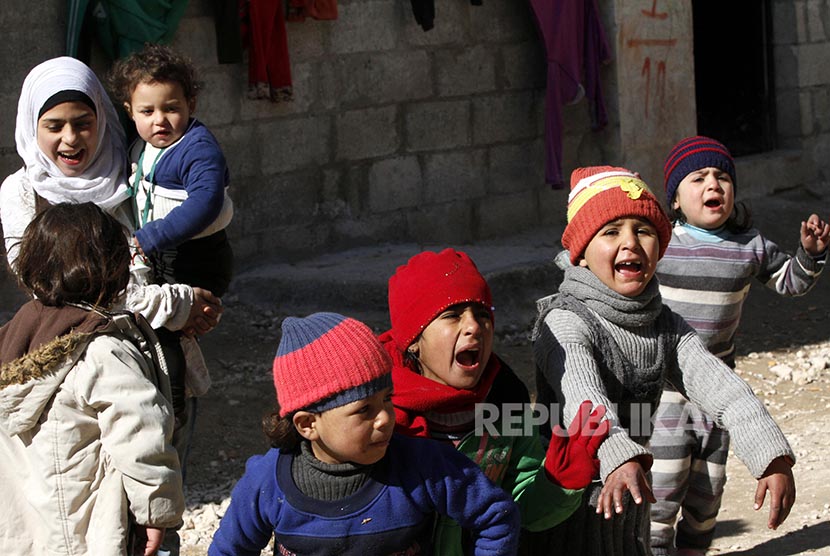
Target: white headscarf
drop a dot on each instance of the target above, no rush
(104, 182)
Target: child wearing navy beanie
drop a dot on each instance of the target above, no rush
(705, 276)
(338, 481)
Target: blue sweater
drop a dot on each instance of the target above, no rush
(392, 513)
(195, 165)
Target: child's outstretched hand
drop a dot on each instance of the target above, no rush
(571, 461)
(815, 235)
(778, 480)
(628, 476)
(147, 540)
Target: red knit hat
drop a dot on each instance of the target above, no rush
(327, 360)
(428, 284)
(602, 194)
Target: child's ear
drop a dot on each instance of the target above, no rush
(306, 424)
(582, 262)
(191, 104)
(129, 110)
(675, 204)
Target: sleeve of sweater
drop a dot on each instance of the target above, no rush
(203, 172)
(136, 425)
(788, 275)
(459, 489)
(17, 209)
(564, 355)
(250, 519)
(715, 388)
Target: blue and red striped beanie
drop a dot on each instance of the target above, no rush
(327, 360)
(694, 153)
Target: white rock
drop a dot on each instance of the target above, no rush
(784, 372)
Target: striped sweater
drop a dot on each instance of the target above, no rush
(705, 277)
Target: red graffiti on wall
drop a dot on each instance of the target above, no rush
(655, 83)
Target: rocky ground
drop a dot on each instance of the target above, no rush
(785, 358)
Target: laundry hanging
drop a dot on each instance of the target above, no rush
(424, 12)
(265, 36)
(575, 46)
(299, 10)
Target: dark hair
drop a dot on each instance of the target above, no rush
(155, 63)
(281, 431)
(738, 222)
(74, 253)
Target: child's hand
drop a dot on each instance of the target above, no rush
(815, 235)
(571, 461)
(204, 313)
(628, 476)
(778, 480)
(147, 540)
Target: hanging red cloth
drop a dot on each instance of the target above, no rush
(265, 36)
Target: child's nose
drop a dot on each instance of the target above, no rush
(469, 322)
(385, 419)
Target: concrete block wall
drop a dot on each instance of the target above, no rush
(801, 50)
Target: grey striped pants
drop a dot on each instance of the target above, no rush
(689, 475)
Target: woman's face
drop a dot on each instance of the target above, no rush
(68, 135)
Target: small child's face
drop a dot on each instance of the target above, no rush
(68, 135)
(358, 432)
(455, 347)
(160, 112)
(706, 197)
(624, 255)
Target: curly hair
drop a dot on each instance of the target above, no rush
(74, 253)
(155, 63)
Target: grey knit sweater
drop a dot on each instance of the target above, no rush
(572, 370)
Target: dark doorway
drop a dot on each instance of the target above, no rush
(735, 91)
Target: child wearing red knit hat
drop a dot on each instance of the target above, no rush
(607, 337)
(445, 374)
(338, 482)
(714, 256)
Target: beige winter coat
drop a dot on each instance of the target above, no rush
(85, 444)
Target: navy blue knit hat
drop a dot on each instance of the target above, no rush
(694, 153)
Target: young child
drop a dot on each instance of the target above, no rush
(181, 178)
(606, 336)
(338, 481)
(705, 277)
(86, 461)
(441, 343)
(180, 189)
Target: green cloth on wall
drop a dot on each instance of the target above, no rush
(123, 26)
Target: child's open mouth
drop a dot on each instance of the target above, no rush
(468, 358)
(713, 203)
(628, 267)
(71, 158)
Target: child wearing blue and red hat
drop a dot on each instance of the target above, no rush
(705, 275)
(338, 481)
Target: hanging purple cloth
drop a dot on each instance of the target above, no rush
(575, 46)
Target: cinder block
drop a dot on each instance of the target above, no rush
(465, 71)
(452, 25)
(785, 59)
(196, 39)
(553, 204)
(516, 167)
(380, 78)
(453, 176)
(506, 117)
(449, 223)
(502, 21)
(367, 133)
(812, 64)
(821, 110)
(501, 215)
(395, 183)
(438, 125)
(268, 203)
(307, 40)
(220, 83)
(816, 20)
(304, 77)
(242, 153)
(289, 144)
(788, 113)
(785, 30)
(369, 229)
(524, 66)
(365, 26)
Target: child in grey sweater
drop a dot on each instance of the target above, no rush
(608, 338)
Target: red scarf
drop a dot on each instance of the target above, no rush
(415, 395)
